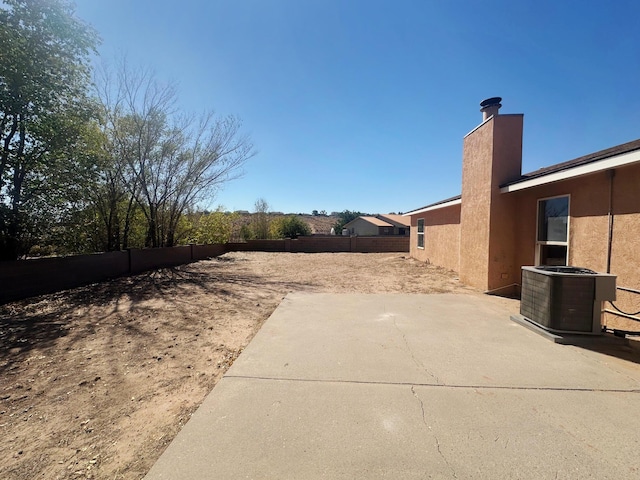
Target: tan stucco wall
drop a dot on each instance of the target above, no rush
(495, 233)
(588, 221)
(503, 270)
(492, 155)
(474, 215)
(589, 228)
(625, 251)
(441, 237)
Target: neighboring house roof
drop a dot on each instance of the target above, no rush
(457, 200)
(620, 155)
(374, 220)
(390, 220)
(397, 220)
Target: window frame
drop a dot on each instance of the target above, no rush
(420, 234)
(540, 244)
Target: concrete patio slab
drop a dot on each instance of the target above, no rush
(410, 386)
(417, 339)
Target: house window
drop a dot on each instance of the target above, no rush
(421, 233)
(552, 240)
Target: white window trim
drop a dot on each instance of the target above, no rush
(539, 243)
(418, 232)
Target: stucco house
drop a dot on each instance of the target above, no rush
(583, 212)
(389, 224)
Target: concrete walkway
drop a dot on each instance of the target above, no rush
(410, 386)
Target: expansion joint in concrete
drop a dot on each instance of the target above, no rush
(438, 385)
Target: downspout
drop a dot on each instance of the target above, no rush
(612, 173)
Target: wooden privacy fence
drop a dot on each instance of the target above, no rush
(27, 278)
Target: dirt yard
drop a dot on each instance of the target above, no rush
(95, 382)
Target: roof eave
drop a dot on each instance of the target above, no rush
(609, 163)
(437, 206)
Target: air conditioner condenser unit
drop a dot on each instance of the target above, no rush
(565, 299)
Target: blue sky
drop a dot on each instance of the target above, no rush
(363, 104)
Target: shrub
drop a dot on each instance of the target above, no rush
(213, 227)
(291, 226)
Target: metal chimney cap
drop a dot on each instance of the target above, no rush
(489, 102)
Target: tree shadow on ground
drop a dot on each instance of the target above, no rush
(39, 322)
(18, 335)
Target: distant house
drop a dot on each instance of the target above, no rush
(583, 212)
(378, 225)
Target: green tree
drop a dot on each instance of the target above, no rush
(259, 226)
(113, 205)
(345, 217)
(166, 161)
(44, 112)
(213, 227)
(290, 226)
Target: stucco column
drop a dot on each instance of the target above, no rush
(492, 155)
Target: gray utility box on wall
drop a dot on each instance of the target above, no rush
(565, 299)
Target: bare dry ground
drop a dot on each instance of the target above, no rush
(96, 381)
